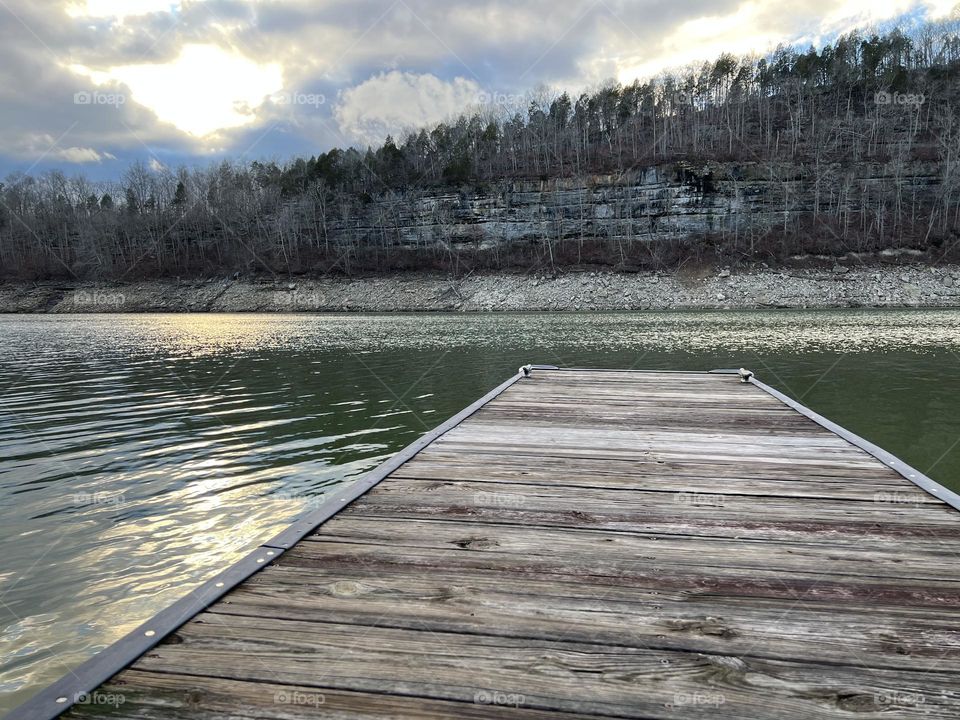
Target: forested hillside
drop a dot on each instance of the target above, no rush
(850, 148)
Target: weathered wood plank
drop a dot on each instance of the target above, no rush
(863, 594)
(642, 467)
(709, 436)
(679, 513)
(170, 696)
(629, 417)
(811, 461)
(853, 554)
(703, 479)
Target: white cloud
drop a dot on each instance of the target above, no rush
(740, 32)
(119, 8)
(391, 102)
(44, 145)
(83, 155)
(850, 14)
(757, 26)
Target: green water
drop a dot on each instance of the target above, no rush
(141, 453)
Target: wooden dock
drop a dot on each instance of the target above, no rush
(581, 543)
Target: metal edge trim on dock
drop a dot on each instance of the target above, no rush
(73, 687)
(890, 460)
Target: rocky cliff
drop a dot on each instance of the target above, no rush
(834, 209)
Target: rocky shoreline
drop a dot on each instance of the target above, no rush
(837, 287)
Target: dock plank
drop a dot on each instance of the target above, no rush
(673, 478)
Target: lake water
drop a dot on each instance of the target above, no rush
(139, 454)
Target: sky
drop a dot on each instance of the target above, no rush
(93, 85)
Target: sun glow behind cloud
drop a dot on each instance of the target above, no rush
(204, 90)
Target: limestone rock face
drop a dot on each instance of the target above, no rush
(654, 203)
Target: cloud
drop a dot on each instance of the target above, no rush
(42, 145)
(119, 8)
(82, 155)
(391, 102)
